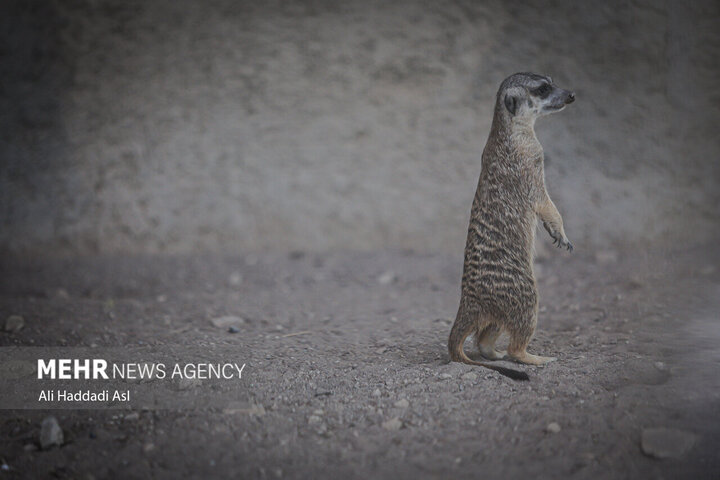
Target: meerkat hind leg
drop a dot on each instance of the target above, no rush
(485, 338)
(517, 350)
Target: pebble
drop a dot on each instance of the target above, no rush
(394, 424)
(188, 383)
(227, 321)
(50, 433)
(314, 420)
(470, 376)
(376, 393)
(253, 409)
(62, 293)
(553, 427)
(131, 417)
(445, 376)
(235, 279)
(386, 278)
(30, 447)
(148, 447)
(233, 329)
(707, 270)
(606, 256)
(403, 403)
(666, 442)
(14, 323)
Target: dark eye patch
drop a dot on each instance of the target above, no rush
(542, 91)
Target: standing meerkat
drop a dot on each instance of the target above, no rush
(498, 283)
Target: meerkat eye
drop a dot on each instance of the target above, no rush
(542, 91)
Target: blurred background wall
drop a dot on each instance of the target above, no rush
(182, 126)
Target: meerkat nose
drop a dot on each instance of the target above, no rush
(570, 98)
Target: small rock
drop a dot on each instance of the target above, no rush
(660, 365)
(161, 298)
(376, 393)
(257, 410)
(50, 433)
(606, 256)
(707, 270)
(131, 417)
(588, 456)
(30, 447)
(314, 420)
(394, 424)
(148, 447)
(386, 278)
(553, 427)
(228, 321)
(233, 329)
(403, 403)
(14, 323)
(188, 383)
(236, 408)
(470, 376)
(666, 442)
(62, 293)
(235, 279)
(445, 376)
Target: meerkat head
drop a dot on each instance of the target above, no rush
(528, 96)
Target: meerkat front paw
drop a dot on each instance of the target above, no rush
(563, 242)
(559, 239)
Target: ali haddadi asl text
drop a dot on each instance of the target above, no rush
(84, 396)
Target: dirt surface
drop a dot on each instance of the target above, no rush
(347, 372)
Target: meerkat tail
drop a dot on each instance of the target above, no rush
(458, 335)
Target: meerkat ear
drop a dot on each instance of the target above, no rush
(511, 103)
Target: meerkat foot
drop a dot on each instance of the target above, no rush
(530, 359)
(492, 354)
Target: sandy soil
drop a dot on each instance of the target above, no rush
(347, 372)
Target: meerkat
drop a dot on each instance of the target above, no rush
(498, 284)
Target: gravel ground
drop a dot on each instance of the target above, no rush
(347, 372)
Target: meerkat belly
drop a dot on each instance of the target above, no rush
(498, 264)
